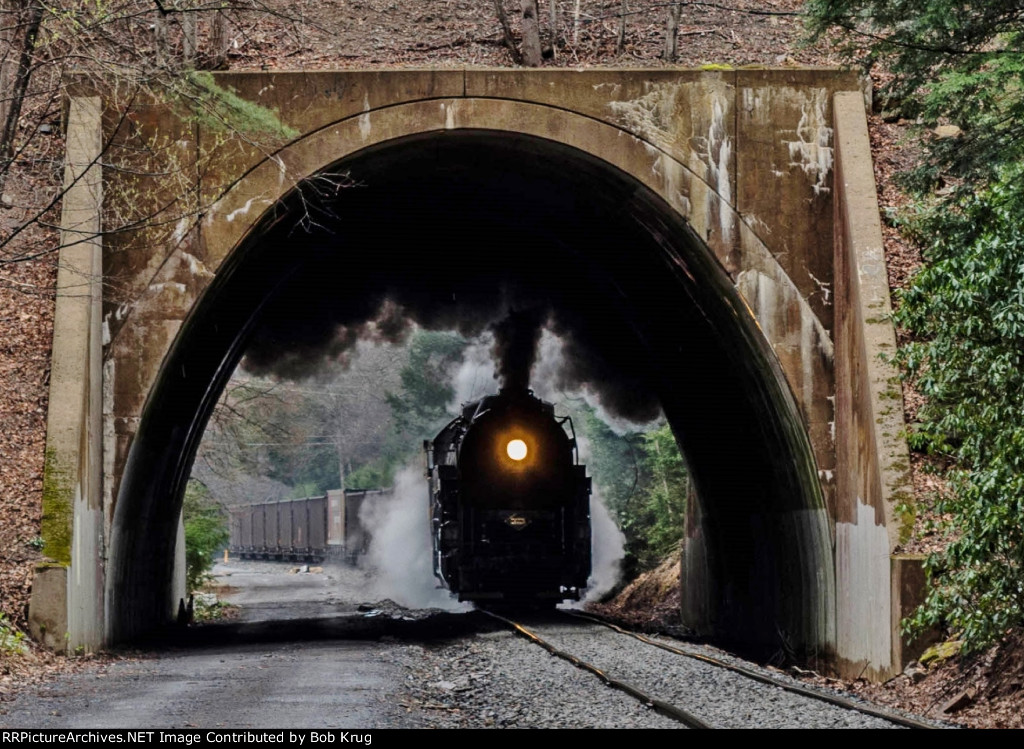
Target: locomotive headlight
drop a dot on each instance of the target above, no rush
(516, 449)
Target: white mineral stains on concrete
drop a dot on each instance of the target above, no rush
(761, 227)
(365, 127)
(718, 168)
(863, 585)
(240, 211)
(755, 102)
(706, 152)
(812, 149)
(109, 443)
(824, 286)
(161, 286)
(652, 116)
(771, 295)
(195, 266)
(673, 176)
(163, 294)
(181, 228)
(832, 424)
(810, 348)
(282, 169)
(801, 347)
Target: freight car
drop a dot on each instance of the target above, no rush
(310, 529)
(510, 503)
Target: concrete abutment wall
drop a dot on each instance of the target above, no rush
(873, 464)
(752, 161)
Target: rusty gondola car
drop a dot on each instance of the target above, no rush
(309, 529)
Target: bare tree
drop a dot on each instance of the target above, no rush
(131, 51)
(271, 430)
(553, 25)
(14, 75)
(220, 41)
(531, 34)
(531, 52)
(576, 24)
(620, 40)
(672, 32)
(506, 31)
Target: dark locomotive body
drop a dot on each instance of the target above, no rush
(510, 530)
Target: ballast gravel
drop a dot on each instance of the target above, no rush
(499, 679)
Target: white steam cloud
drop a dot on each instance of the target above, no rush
(476, 376)
(399, 557)
(607, 549)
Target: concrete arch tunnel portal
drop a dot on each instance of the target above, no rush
(703, 242)
(455, 228)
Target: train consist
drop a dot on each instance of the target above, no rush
(310, 529)
(510, 503)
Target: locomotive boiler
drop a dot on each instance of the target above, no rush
(510, 503)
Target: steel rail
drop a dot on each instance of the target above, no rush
(764, 678)
(671, 711)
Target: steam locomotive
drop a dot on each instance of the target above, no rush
(510, 503)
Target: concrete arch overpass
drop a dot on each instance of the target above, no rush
(728, 217)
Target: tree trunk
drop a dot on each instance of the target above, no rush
(576, 24)
(553, 23)
(22, 73)
(672, 32)
(9, 16)
(189, 39)
(219, 41)
(163, 52)
(506, 30)
(620, 40)
(531, 34)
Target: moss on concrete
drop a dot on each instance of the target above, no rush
(939, 653)
(58, 506)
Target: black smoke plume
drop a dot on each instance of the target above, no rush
(515, 346)
(456, 238)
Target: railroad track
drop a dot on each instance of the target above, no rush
(584, 641)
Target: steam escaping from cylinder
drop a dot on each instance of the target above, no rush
(399, 557)
(608, 549)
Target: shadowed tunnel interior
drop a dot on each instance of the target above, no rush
(455, 229)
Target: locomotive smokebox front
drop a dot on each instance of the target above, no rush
(510, 505)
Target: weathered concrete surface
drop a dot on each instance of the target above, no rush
(72, 525)
(745, 157)
(706, 142)
(873, 515)
(48, 607)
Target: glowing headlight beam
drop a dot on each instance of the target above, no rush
(516, 449)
